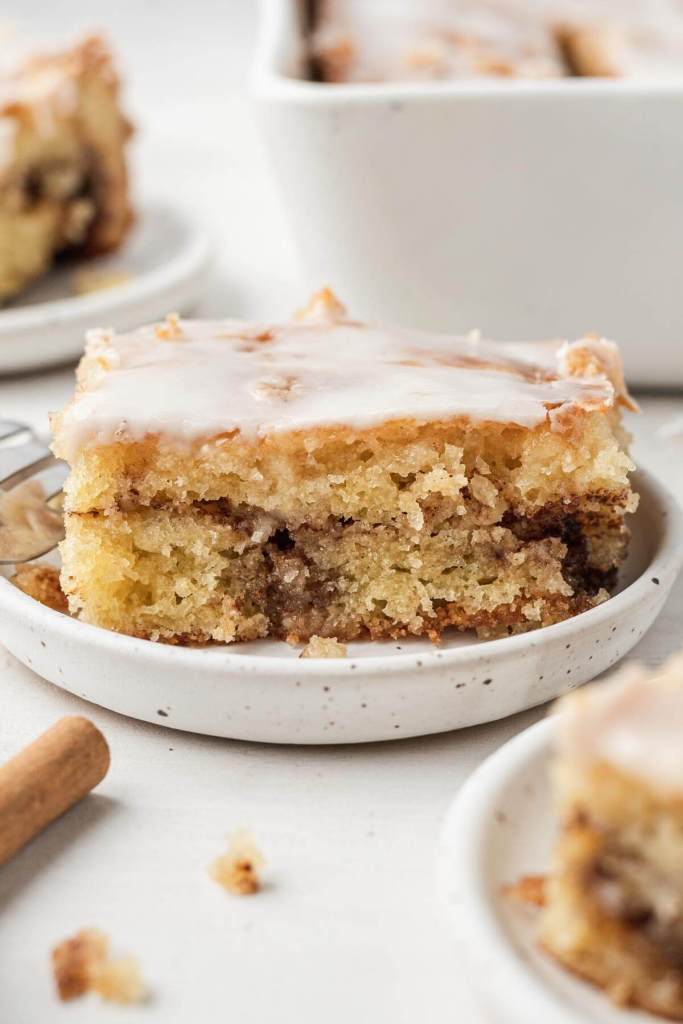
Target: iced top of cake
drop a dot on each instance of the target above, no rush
(193, 379)
(376, 40)
(633, 722)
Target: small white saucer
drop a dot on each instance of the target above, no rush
(500, 827)
(166, 259)
(262, 691)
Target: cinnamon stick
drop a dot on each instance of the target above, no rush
(47, 778)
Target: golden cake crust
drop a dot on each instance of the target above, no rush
(328, 478)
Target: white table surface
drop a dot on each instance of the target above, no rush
(346, 929)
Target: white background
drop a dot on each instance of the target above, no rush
(346, 929)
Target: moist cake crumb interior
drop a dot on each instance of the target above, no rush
(325, 477)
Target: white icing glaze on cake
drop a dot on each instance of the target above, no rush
(394, 40)
(193, 380)
(633, 721)
(439, 39)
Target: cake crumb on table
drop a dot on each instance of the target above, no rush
(73, 960)
(41, 582)
(119, 981)
(238, 870)
(324, 647)
(169, 329)
(82, 964)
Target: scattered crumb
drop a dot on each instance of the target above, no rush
(82, 964)
(238, 869)
(119, 981)
(86, 281)
(527, 889)
(324, 647)
(73, 960)
(170, 329)
(41, 582)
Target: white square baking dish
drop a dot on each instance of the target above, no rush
(528, 209)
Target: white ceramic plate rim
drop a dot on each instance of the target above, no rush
(667, 559)
(192, 260)
(274, 49)
(463, 892)
(514, 984)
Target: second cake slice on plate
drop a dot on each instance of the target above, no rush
(326, 477)
(614, 899)
(63, 174)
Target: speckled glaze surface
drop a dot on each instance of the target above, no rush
(262, 691)
(499, 827)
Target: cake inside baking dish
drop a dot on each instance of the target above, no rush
(614, 899)
(326, 477)
(63, 178)
(431, 40)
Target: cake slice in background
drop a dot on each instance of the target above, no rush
(432, 40)
(63, 177)
(614, 897)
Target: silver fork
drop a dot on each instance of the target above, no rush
(31, 481)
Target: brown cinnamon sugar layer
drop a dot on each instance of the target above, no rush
(614, 911)
(217, 572)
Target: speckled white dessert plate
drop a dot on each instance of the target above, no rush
(263, 691)
(501, 826)
(166, 259)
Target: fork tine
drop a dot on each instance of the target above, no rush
(52, 479)
(44, 550)
(23, 462)
(10, 428)
(28, 460)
